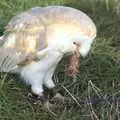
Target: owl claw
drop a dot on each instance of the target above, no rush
(52, 92)
(40, 98)
(50, 99)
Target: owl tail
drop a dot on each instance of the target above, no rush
(9, 58)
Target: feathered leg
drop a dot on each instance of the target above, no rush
(48, 82)
(35, 73)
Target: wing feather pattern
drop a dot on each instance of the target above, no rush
(24, 35)
(9, 58)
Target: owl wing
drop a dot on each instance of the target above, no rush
(24, 36)
(9, 58)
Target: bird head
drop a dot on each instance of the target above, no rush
(83, 45)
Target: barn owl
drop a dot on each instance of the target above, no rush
(36, 40)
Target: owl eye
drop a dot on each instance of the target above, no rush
(74, 43)
(77, 44)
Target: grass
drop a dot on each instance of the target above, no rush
(99, 72)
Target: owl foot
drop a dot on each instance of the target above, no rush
(37, 99)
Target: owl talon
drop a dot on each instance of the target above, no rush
(54, 91)
(29, 95)
(38, 98)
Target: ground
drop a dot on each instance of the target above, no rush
(99, 71)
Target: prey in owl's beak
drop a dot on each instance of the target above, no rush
(74, 64)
